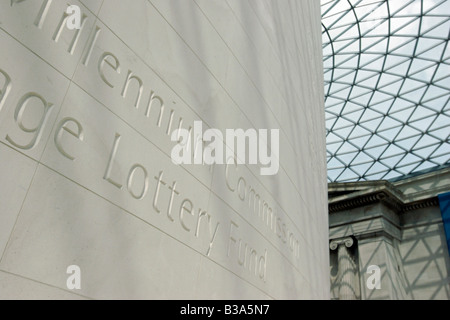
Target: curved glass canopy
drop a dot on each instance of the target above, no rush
(387, 87)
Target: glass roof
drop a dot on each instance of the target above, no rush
(387, 87)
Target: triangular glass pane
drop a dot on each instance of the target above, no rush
(379, 97)
(425, 141)
(444, 149)
(421, 64)
(436, 104)
(422, 124)
(392, 175)
(424, 75)
(411, 28)
(402, 115)
(335, 164)
(441, 134)
(443, 71)
(334, 174)
(406, 49)
(389, 134)
(346, 157)
(424, 153)
(375, 152)
(392, 88)
(348, 175)
(399, 69)
(421, 113)
(426, 44)
(343, 123)
(396, 42)
(392, 151)
(410, 85)
(371, 124)
(362, 158)
(384, 106)
(408, 143)
(439, 31)
(333, 147)
(361, 168)
(377, 168)
(442, 121)
(415, 96)
(375, 141)
(360, 142)
(343, 132)
(407, 132)
(434, 53)
(391, 161)
(406, 169)
(332, 138)
(362, 100)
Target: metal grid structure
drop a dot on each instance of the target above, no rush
(387, 87)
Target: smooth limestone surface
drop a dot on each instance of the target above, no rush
(86, 118)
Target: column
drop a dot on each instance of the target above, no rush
(347, 269)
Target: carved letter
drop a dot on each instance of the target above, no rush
(101, 63)
(60, 130)
(91, 46)
(130, 76)
(183, 208)
(130, 182)
(111, 161)
(5, 90)
(18, 116)
(76, 36)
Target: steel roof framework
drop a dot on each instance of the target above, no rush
(387, 87)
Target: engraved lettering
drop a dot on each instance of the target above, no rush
(172, 193)
(39, 22)
(246, 256)
(153, 97)
(241, 190)
(60, 28)
(130, 77)
(19, 115)
(91, 44)
(59, 133)
(227, 179)
(115, 65)
(6, 88)
(130, 182)
(158, 186)
(184, 209)
(111, 161)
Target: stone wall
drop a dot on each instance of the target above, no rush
(86, 120)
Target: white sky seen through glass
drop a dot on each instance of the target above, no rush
(387, 87)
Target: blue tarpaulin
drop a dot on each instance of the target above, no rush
(444, 204)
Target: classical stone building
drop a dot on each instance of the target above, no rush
(392, 229)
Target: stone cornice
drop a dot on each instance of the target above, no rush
(385, 196)
(401, 196)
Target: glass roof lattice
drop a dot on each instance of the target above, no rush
(387, 87)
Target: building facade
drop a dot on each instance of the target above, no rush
(388, 239)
